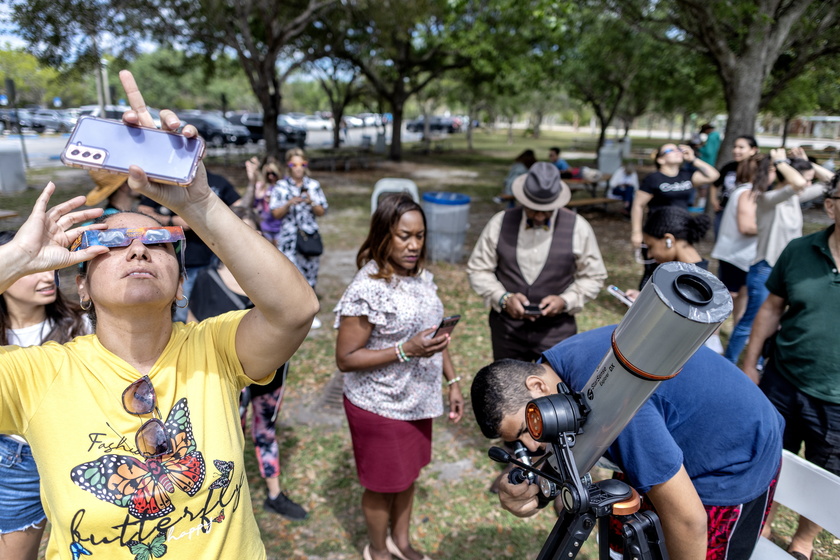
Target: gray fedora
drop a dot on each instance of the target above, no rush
(541, 188)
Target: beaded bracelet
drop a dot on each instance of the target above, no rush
(454, 380)
(399, 356)
(503, 299)
(403, 355)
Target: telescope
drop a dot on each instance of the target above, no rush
(678, 309)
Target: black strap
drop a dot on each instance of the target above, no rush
(234, 298)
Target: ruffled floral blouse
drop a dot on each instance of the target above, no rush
(397, 309)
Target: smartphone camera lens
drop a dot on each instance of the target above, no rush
(97, 156)
(86, 154)
(74, 153)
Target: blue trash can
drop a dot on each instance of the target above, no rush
(447, 216)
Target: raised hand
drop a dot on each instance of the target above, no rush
(42, 241)
(176, 199)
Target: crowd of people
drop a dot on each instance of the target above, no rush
(179, 331)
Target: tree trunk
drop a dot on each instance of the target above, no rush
(270, 100)
(537, 123)
(743, 93)
(785, 127)
(470, 110)
(510, 131)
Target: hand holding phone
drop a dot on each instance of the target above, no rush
(447, 325)
(620, 295)
(165, 156)
(532, 310)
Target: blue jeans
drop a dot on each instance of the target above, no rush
(20, 488)
(756, 294)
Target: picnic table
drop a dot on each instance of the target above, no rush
(7, 214)
(590, 186)
(342, 159)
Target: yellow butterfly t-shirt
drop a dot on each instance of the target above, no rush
(105, 499)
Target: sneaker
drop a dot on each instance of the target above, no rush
(316, 323)
(285, 507)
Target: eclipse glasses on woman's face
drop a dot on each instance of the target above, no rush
(123, 237)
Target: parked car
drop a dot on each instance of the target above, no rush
(370, 119)
(353, 122)
(51, 119)
(287, 133)
(114, 112)
(215, 129)
(23, 119)
(436, 124)
(314, 122)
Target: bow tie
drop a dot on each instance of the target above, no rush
(529, 224)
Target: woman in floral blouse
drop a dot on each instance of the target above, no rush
(393, 368)
(298, 199)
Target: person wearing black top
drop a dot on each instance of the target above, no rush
(672, 184)
(198, 255)
(745, 147)
(216, 291)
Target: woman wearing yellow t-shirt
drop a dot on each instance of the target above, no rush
(135, 429)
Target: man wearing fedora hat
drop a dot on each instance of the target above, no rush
(536, 265)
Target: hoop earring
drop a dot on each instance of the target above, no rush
(82, 304)
(185, 301)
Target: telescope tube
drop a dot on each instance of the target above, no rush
(678, 309)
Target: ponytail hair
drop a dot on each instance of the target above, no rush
(679, 222)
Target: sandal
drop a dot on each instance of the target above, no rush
(395, 550)
(798, 555)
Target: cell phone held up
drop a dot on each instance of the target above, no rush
(447, 325)
(104, 144)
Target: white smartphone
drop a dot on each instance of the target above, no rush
(620, 295)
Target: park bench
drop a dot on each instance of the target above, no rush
(807, 490)
(593, 201)
(346, 160)
(7, 214)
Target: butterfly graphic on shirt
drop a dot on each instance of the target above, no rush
(77, 550)
(224, 468)
(219, 518)
(144, 485)
(154, 549)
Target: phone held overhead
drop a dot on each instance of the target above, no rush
(166, 157)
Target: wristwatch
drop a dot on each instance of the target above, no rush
(778, 161)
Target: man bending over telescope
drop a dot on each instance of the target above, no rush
(705, 449)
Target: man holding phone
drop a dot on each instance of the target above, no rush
(536, 265)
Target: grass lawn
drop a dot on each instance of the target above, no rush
(454, 515)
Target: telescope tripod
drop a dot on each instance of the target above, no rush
(641, 531)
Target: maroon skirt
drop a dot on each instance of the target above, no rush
(389, 453)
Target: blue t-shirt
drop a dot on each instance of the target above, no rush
(561, 164)
(710, 417)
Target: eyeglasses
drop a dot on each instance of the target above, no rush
(292, 165)
(122, 237)
(640, 253)
(668, 151)
(151, 439)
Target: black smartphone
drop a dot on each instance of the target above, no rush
(532, 309)
(620, 295)
(166, 157)
(447, 325)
